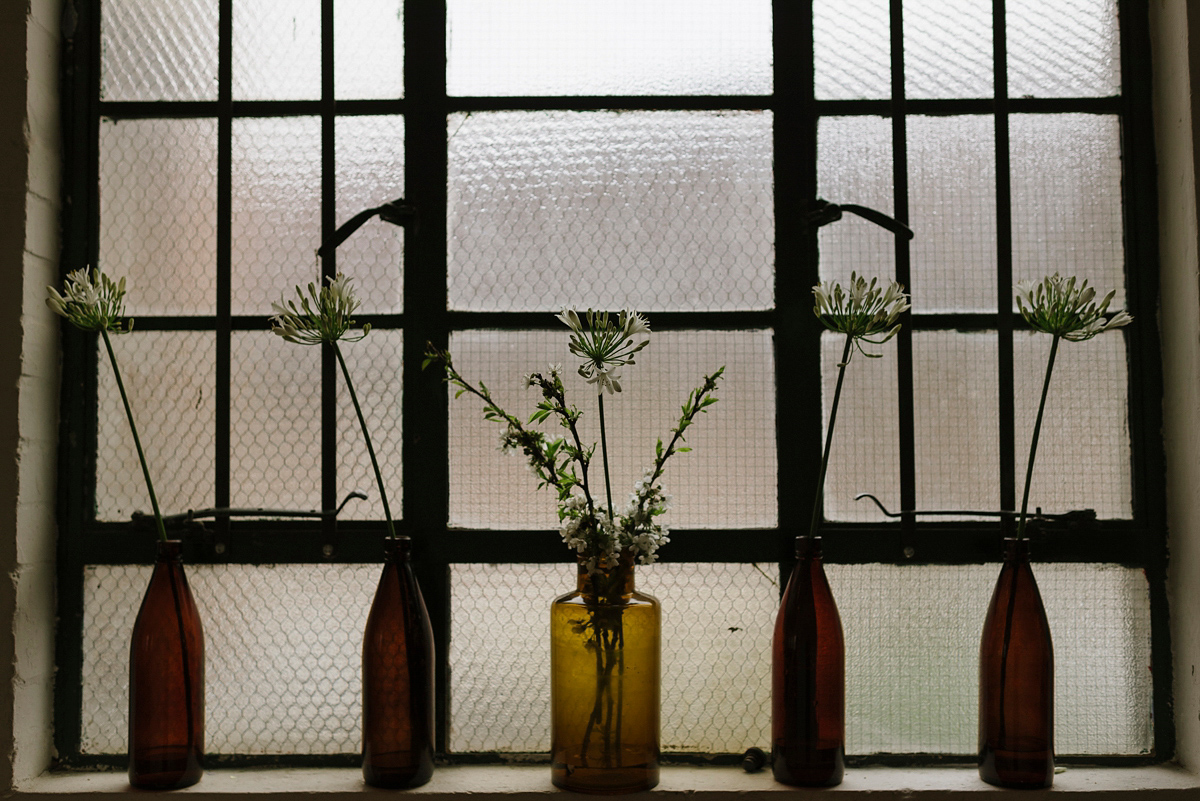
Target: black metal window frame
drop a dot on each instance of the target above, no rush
(1139, 542)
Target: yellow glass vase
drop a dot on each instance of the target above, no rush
(605, 650)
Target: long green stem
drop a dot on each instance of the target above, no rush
(604, 453)
(137, 442)
(837, 395)
(387, 512)
(1037, 430)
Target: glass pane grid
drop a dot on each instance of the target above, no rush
(1063, 49)
(152, 50)
(375, 365)
(947, 49)
(852, 49)
(277, 50)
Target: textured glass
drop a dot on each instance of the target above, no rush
(151, 50)
(717, 622)
(912, 655)
(1063, 49)
(370, 172)
(169, 376)
(615, 47)
(1066, 199)
(952, 211)
(368, 49)
(852, 50)
(282, 646)
(647, 210)
(947, 49)
(854, 165)
(1083, 456)
(375, 365)
(275, 421)
(728, 481)
(158, 209)
(276, 209)
(277, 50)
(866, 440)
(957, 420)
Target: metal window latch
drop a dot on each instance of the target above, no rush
(822, 212)
(396, 212)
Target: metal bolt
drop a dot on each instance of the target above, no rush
(327, 549)
(219, 547)
(909, 551)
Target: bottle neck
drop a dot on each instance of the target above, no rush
(1016, 550)
(808, 548)
(607, 581)
(397, 549)
(170, 550)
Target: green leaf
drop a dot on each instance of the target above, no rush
(682, 450)
(459, 393)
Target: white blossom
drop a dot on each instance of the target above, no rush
(322, 316)
(1063, 307)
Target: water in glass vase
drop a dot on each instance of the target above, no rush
(605, 685)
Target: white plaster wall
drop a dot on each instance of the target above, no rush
(29, 244)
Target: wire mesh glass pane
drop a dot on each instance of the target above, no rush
(158, 210)
(276, 207)
(1066, 48)
(854, 165)
(275, 421)
(1066, 199)
(852, 49)
(649, 210)
(728, 481)
(283, 653)
(370, 172)
(912, 656)
(151, 50)
(277, 50)
(169, 376)
(616, 47)
(957, 420)
(1083, 455)
(952, 208)
(866, 440)
(375, 365)
(717, 622)
(368, 49)
(947, 49)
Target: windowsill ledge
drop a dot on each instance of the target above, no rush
(478, 782)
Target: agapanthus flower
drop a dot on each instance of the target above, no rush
(862, 310)
(322, 316)
(91, 301)
(1059, 306)
(605, 346)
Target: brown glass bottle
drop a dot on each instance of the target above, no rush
(1016, 680)
(808, 678)
(398, 677)
(605, 684)
(166, 681)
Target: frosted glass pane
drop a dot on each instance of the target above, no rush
(276, 209)
(275, 421)
(854, 165)
(1063, 49)
(912, 656)
(368, 49)
(866, 440)
(1066, 198)
(648, 210)
(151, 50)
(957, 420)
(277, 50)
(947, 49)
(283, 647)
(370, 172)
(717, 622)
(952, 208)
(616, 47)
(158, 209)
(169, 377)
(852, 51)
(1083, 456)
(728, 481)
(375, 365)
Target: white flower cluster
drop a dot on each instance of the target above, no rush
(635, 530)
(322, 316)
(604, 346)
(91, 301)
(1056, 305)
(862, 310)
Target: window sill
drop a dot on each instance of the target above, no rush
(479, 782)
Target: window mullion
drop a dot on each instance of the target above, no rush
(1004, 265)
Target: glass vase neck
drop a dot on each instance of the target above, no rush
(808, 547)
(396, 549)
(607, 580)
(1016, 550)
(170, 550)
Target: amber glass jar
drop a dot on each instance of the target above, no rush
(605, 644)
(166, 681)
(808, 678)
(1016, 680)
(398, 677)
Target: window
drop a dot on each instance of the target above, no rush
(661, 156)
